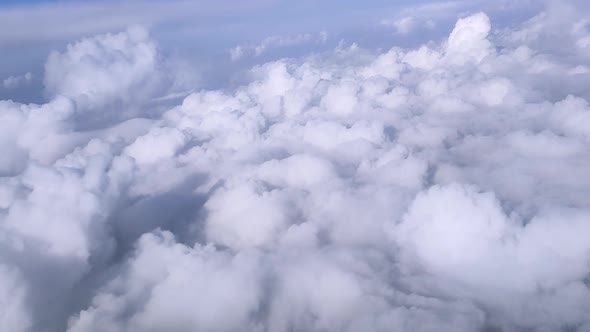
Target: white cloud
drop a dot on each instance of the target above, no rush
(277, 42)
(469, 39)
(441, 187)
(410, 18)
(402, 25)
(102, 70)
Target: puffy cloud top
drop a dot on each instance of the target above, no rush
(469, 38)
(102, 70)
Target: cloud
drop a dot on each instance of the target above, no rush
(103, 70)
(14, 315)
(16, 81)
(469, 39)
(403, 25)
(410, 18)
(441, 187)
(276, 42)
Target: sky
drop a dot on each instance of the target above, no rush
(313, 165)
(203, 32)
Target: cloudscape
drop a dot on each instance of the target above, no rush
(273, 165)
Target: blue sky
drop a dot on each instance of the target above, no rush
(17, 2)
(205, 31)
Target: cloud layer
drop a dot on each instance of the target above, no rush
(440, 188)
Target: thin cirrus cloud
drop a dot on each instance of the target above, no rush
(438, 187)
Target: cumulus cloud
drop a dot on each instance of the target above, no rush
(436, 188)
(102, 70)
